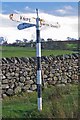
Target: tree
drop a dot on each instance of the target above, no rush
(49, 39)
(5, 43)
(42, 40)
(68, 38)
(31, 41)
(1, 40)
(73, 39)
(25, 40)
(18, 41)
(79, 38)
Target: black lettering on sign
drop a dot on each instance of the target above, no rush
(20, 17)
(29, 20)
(23, 18)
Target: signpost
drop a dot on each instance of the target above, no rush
(38, 55)
(39, 23)
(25, 25)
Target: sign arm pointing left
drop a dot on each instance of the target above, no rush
(25, 25)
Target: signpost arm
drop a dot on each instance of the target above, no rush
(38, 55)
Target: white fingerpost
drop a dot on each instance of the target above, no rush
(38, 55)
(18, 18)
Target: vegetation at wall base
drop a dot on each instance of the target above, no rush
(58, 102)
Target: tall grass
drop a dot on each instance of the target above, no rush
(58, 102)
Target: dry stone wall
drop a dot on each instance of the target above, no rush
(19, 74)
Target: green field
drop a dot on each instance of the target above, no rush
(58, 102)
(28, 52)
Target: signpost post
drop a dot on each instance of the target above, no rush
(38, 55)
(39, 23)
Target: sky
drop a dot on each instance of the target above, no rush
(39, 0)
(66, 13)
(67, 8)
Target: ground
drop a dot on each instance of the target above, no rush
(58, 102)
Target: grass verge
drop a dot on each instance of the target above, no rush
(58, 102)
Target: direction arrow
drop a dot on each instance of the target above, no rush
(19, 18)
(31, 20)
(25, 25)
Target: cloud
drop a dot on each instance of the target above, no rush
(16, 11)
(69, 28)
(65, 10)
(68, 7)
(28, 9)
(61, 11)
